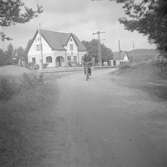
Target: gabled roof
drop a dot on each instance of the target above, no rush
(57, 40)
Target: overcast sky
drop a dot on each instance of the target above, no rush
(81, 17)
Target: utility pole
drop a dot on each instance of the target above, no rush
(133, 45)
(119, 46)
(41, 48)
(98, 33)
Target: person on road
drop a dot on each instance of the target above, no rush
(87, 64)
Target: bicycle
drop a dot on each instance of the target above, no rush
(88, 73)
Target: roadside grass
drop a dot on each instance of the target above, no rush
(24, 120)
(145, 76)
(13, 79)
(10, 86)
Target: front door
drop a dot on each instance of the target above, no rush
(59, 61)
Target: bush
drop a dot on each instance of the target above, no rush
(31, 80)
(12, 86)
(7, 88)
(125, 66)
(45, 65)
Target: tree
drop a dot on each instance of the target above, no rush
(15, 11)
(92, 48)
(148, 17)
(21, 55)
(2, 58)
(8, 54)
(10, 50)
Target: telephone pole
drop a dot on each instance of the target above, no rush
(41, 47)
(119, 46)
(98, 33)
(133, 45)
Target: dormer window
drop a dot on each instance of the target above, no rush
(71, 46)
(38, 47)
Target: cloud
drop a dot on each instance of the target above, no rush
(61, 6)
(82, 17)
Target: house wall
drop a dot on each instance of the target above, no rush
(35, 52)
(81, 54)
(125, 59)
(75, 54)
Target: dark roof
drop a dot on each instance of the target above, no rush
(57, 40)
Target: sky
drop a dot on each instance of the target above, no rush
(81, 17)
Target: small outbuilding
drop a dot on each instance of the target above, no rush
(120, 58)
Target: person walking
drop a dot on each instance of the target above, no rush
(87, 64)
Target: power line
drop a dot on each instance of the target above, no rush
(98, 33)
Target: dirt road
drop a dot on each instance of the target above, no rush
(106, 125)
(69, 122)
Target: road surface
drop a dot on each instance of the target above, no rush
(105, 125)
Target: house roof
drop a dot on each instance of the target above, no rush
(57, 40)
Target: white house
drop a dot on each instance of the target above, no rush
(55, 49)
(120, 58)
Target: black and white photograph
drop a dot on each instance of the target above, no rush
(83, 83)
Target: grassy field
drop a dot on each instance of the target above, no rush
(145, 76)
(24, 120)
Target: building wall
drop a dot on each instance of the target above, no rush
(35, 50)
(81, 54)
(74, 53)
(71, 52)
(125, 58)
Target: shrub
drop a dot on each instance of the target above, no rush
(7, 88)
(12, 86)
(45, 65)
(125, 66)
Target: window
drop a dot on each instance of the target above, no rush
(75, 58)
(38, 47)
(69, 58)
(71, 46)
(33, 60)
(49, 59)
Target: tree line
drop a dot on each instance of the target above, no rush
(92, 49)
(13, 56)
(148, 17)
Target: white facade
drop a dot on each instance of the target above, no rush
(122, 59)
(53, 58)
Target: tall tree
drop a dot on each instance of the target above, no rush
(148, 17)
(9, 54)
(10, 50)
(92, 48)
(21, 55)
(6, 56)
(15, 11)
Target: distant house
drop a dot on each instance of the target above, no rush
(55, 49)
(120, 58)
